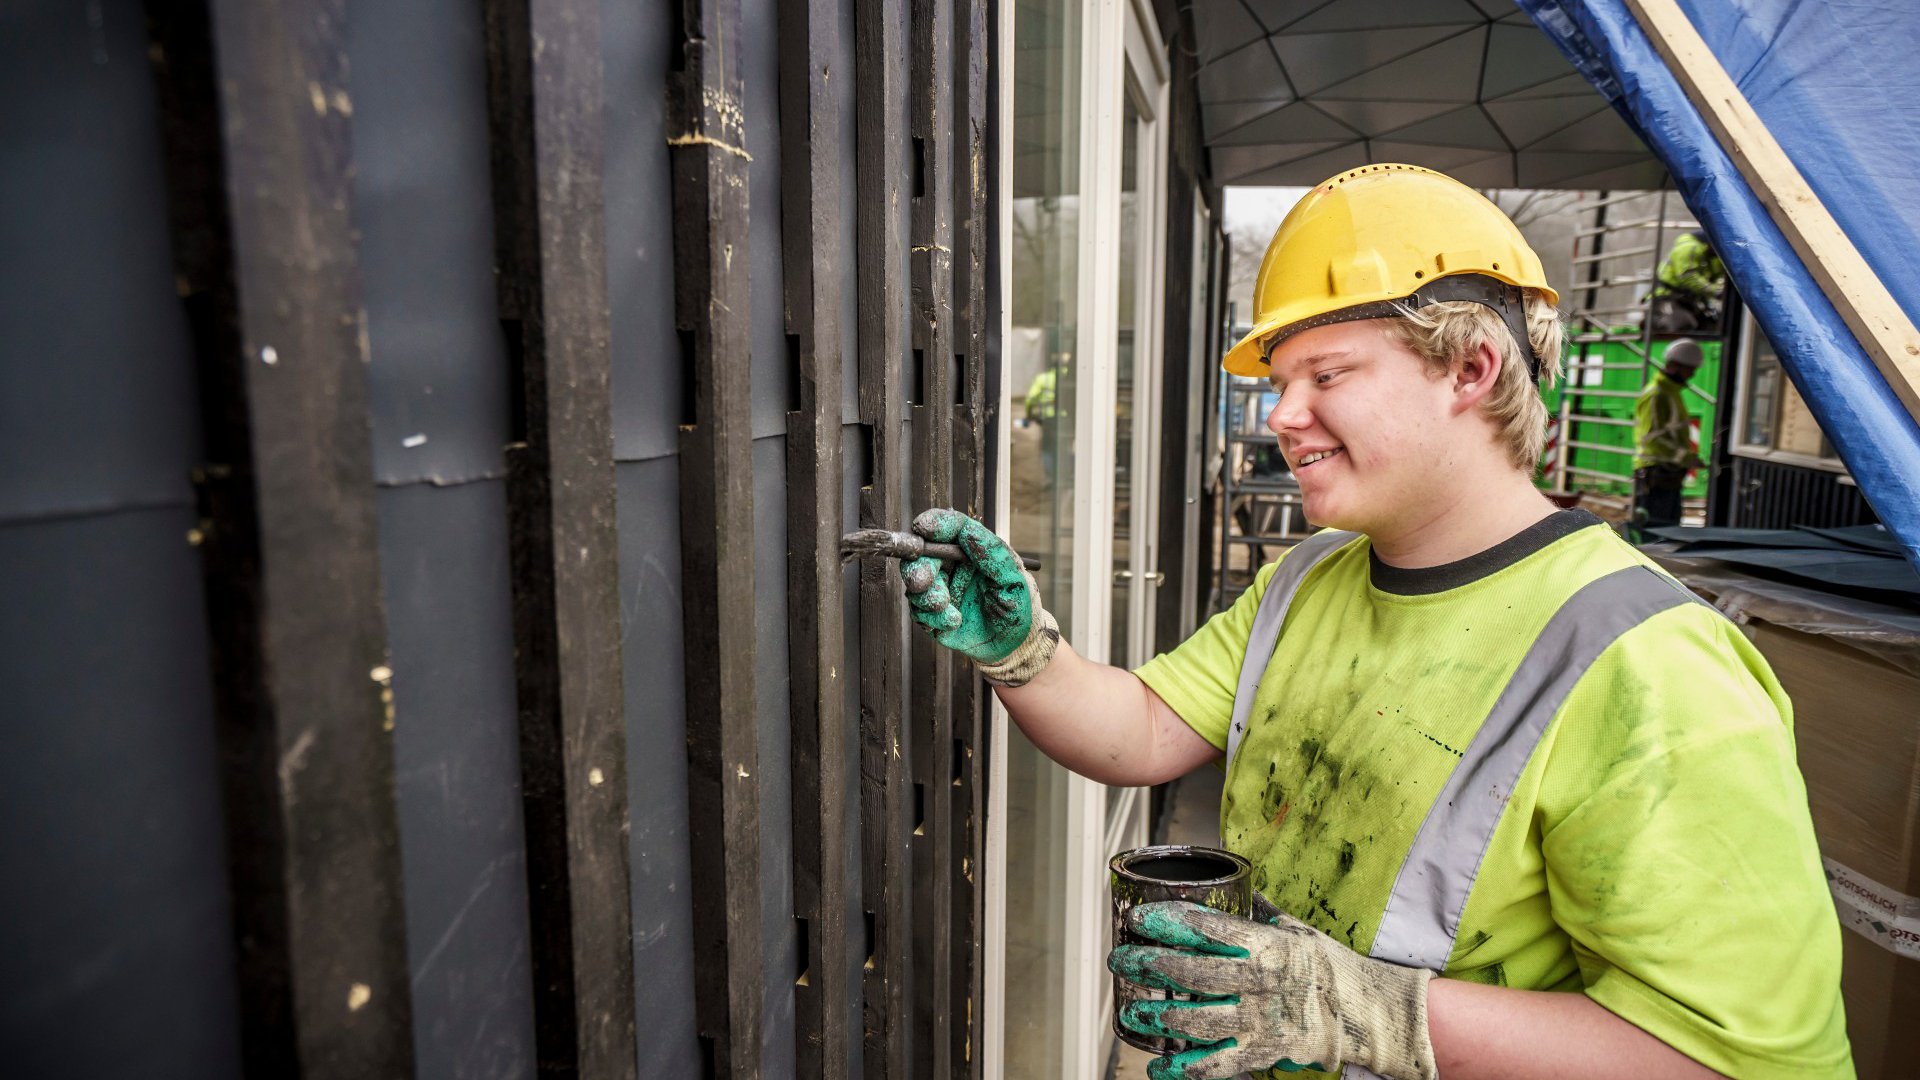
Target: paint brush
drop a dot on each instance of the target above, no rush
(885, 543)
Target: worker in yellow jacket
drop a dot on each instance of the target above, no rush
(1688, 287)
(1664, 449)
(1527, 806)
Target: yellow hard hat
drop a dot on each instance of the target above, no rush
(1380, 234)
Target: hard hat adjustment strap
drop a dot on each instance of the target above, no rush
(1503, 299)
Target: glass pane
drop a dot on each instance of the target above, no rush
(1120, 642)
(1040, 366)
(1763, 392)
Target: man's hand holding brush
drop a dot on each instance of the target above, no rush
(970, 591)
(984, 606)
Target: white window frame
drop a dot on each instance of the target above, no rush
(1117, 35)
(1737, 445)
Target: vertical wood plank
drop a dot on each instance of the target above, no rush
(707, 133)
(255, 120)
(810, 237)
(878, 33)
(545, 106)
(970, 428)
(931, 95)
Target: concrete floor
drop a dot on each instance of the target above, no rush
(1193, 818)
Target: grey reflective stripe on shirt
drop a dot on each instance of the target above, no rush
(1422, 917)
(1423, 912)
(1267, 620)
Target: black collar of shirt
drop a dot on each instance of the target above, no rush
(1425, 580)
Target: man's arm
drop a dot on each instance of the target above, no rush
(1498, 1033)
(1104, 723)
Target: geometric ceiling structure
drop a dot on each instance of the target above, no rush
(1294, 91)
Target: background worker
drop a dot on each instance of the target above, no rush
(1689, 286)
(1469, 736)
(1664, 449)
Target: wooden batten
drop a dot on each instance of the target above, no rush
(259, 168)
(1850, 284)
(971, 229)
(707, 135)
(879, 33)
(930, 34)
(545, 108)
(810, 141)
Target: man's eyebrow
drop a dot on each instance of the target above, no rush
(1273, 370)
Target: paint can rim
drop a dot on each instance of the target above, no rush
(1123, 863)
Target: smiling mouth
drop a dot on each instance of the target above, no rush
(1319, 455)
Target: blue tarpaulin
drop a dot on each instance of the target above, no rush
(1829, 79)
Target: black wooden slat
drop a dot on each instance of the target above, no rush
(254, 117)
(879, 141)
(931, 90)
(970, 233)
(545, 105)
(810, 201)
(706, 130)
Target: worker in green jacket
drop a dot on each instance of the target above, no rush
(1691, 282)
(1664, 449)
(1526, 806)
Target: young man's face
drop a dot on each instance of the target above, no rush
(1367, 428)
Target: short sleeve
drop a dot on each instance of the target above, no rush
(1686, 870)
(1198, 678)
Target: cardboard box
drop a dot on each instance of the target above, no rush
(1857, 730)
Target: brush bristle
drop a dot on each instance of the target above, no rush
(870, 542)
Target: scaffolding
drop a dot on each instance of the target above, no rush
(1618, 242)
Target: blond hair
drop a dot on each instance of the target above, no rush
(1444, 332)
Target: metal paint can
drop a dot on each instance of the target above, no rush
(1218, 879)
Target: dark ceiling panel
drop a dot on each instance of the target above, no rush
(1296, 123)
(1447, 71)
(1496, 171)
(1317, 61)
(1311, 169)
(1520, 56)
(1375, 118)
(1231, 163)
(1427, 155)
(1274, 14)
(1467, 126)
(1227, 26)
(1455, 85)
(1375, 16)
(1555, 168)
(1526, 122)
(1603, 131)
(1222, 117)
(1247, 74)
(1572, 84)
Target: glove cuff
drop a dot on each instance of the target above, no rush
(1027, 659)
(1396, 1044)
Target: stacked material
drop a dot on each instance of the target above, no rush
(1837, 614)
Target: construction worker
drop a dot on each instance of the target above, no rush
(1043, 407)
(1664, 447)
(1526, 807)
(1690, 283)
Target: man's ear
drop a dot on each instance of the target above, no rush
(1474, 376)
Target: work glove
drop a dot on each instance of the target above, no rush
(1280, 995)
(985, 607)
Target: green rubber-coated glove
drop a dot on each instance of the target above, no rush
(984, 607)
(1280, 996)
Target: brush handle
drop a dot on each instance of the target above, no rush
(951, 553)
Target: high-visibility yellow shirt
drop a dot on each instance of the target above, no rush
(1662, 431)
(1656, 852)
